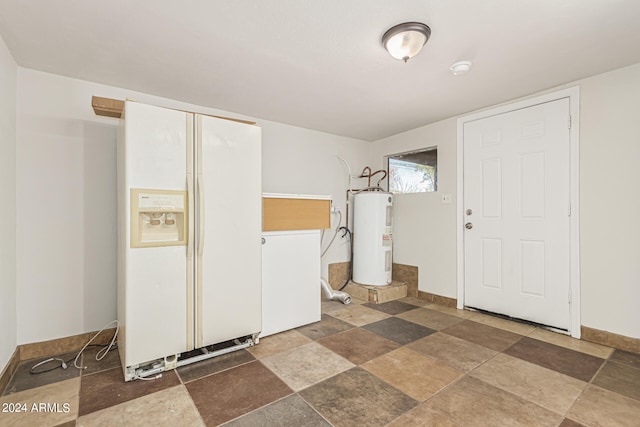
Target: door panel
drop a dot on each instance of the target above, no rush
(229, 267)
(152, 288)
(516, 184)
(491, 257)
(491, 188)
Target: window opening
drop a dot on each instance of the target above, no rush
(413, 172)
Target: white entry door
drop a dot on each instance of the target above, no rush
(517, 209)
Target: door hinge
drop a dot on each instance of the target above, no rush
(569, 122)
(569, 296)
(569, 210)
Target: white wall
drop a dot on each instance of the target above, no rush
(424, 229)
(609, 203)
(8, 317)
(67, 195)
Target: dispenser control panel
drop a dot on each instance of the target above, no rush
(158, 218)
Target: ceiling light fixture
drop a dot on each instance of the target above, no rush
(404, 41)
(460, 67)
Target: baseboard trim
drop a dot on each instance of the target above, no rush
(437, 299)
(63, 345)
(587, 334)
(9, 369)
(50, 348)
(610, 339)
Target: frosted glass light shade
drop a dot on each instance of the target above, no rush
(404, 41)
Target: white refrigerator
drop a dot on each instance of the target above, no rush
(189, 235)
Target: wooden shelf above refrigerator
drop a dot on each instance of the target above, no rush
(109, 107)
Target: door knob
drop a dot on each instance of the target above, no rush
(468, 226)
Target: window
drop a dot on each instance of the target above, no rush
(413, 172)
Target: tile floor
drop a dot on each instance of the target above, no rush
(401, 363)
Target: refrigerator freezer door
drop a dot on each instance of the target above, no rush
(228, 290)
(152, 281)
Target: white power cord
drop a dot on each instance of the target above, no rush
(158, 376)
(102, 353)
(63, 364)
(334, 235)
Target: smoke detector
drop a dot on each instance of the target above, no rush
(460, 67)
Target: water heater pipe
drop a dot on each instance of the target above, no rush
(332, 295)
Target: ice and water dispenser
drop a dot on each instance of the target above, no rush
(158, 218)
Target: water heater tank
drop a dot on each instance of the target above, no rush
(372, 243)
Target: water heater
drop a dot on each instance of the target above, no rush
(372, 242)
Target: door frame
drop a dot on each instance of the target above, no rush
(573, 94)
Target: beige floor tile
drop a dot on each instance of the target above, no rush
(169, 407)
(571, 343)
(453, 351)
(328, 306)
(277, 343)
(306, 365)
(418, 376)
(465, 314)
(422, 416)
(471, 402)
(599, 407)
(504, 324)
(359, 315)
(48, 405)
(430, 318)
(547, 388)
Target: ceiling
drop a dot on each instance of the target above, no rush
(320, 64)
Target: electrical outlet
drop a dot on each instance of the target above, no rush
(446, 199)
(335, 208)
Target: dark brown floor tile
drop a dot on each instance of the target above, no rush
(391, 307)
(358, 345)
(357, 398)
(621, 378)
(290, 411)
(487, 336)
(326, 326)
(399, 330)
(569, 362)
(570, 423)
(237, 391)
(109, 361)
(630, 359)
(67, 424)
(108, 388)
(24, 380)
(216, 364)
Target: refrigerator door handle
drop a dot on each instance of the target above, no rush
(190, 200)
(200, 215)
